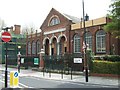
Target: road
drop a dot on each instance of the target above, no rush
(27, 81)
(34, 82)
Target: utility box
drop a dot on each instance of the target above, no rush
(14, 79)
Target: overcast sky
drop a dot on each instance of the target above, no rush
(28, 12)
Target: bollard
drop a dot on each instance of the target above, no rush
(14, 79)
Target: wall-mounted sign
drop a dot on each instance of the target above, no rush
(77, 60)
(36, 61)
(22, 60)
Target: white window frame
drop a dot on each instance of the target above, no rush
(102, 43)
(54, 21)
(77, 46)
(88, 37)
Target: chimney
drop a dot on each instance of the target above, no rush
(17, 29)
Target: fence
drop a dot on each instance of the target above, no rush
(29, 61)
(63, 62)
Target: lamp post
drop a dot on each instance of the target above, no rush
(85, 46)
(6, 29)
(18, 61)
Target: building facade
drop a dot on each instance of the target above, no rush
(62, 33)
(12, 46)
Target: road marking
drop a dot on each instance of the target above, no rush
(25, 85)
(2, 81)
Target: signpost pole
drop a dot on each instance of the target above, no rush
(6, 67)
(85, 58)
(6, 39)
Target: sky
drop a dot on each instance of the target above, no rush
(34, 12)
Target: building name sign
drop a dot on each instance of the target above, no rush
(77, 60)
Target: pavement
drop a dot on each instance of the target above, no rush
(94, 80)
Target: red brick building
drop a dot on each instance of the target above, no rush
(62, 33)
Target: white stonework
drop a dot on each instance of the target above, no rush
(54, 31)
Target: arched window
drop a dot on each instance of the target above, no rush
(54, 21)
(76, 43)
(88, 37)
(33, 47)
(100, 41)
(29, 48)
(38, 46)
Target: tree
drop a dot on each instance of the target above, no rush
(114, 26)
(2, 24)
(28, 29)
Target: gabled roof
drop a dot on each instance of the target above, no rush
(72, 18)
(68, 17)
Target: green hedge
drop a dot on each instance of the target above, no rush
(106, 67)
(112, 58)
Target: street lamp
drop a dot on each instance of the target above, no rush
(85, 46)
(18, 61)
(19, 47)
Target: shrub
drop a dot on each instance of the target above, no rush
(106, 67)
(112, 58)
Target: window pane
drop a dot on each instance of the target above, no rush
(89, 40)
(100, 41)
(33, 47)
(29, 48)
(76, 43)
(38, 47)
(54, 21)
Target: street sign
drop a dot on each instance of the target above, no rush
(6, 36)
(16, 74)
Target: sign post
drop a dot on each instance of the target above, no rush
(6, 37)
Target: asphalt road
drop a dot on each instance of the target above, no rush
(33, 82)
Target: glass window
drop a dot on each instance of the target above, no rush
(60, 47)
(54, 21)
(38, 47)
(89, 40)
(29, 48)
(100, 41)
(33, 47)
(76, 43)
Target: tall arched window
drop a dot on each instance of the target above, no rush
(100, 41)
(29, 48)
(38, 46)
(76, 43)
(33, 47)
(88, 36)
(54, 21)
